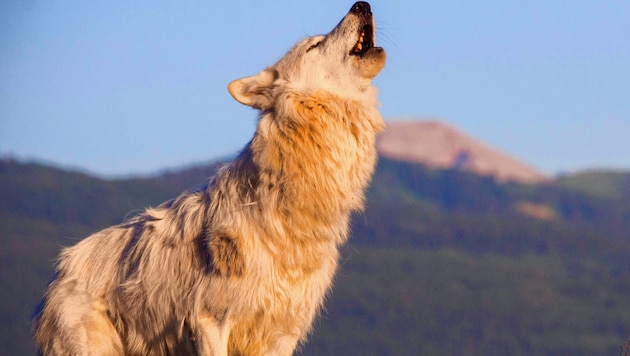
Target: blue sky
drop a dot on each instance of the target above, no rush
(138, 86)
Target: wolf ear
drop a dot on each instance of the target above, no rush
(254, 91)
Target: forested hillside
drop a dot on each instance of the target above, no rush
(441, 261)
(451, 263)
(43, 208)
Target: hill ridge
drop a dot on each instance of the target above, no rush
(440, 145)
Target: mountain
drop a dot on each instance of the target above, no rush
(442, 261)
(439, 145)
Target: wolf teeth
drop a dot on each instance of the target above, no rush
(359, 45)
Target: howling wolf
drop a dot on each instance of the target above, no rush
(242, 265)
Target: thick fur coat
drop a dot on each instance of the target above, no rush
(242, 265)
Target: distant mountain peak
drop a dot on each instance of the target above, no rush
(439, 145)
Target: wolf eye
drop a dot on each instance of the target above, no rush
(313, 46)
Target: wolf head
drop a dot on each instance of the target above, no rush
(343, 62)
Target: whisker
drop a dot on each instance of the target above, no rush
(383, 32)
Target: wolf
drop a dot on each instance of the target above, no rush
(242, 265)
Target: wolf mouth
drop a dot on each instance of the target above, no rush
(365, 42)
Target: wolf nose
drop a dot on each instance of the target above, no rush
(361, 7)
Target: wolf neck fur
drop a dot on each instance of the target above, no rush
(314, 156)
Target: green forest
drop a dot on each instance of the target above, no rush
(442, 262)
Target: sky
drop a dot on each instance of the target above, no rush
(135, 87)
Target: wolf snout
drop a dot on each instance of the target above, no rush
(361, 7)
